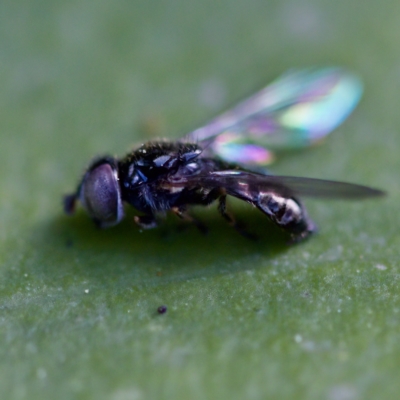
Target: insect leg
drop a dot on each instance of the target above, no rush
(231, 220)
(145, 221)
(181, 213)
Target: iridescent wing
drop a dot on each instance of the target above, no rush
(297, 110)
(248, 185)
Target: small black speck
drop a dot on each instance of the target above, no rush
(162, 309)
(69, 243)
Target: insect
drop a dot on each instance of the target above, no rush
(223, 158)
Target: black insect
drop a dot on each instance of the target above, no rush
(220, 158)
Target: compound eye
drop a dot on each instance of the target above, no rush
(100, 195)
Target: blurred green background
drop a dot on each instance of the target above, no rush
(245, 320)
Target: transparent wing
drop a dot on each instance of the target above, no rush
(249, 185)
(297, 110)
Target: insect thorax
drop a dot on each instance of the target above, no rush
(145, 171)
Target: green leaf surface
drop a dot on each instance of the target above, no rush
(245, 320)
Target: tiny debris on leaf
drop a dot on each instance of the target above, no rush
(162, 309)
